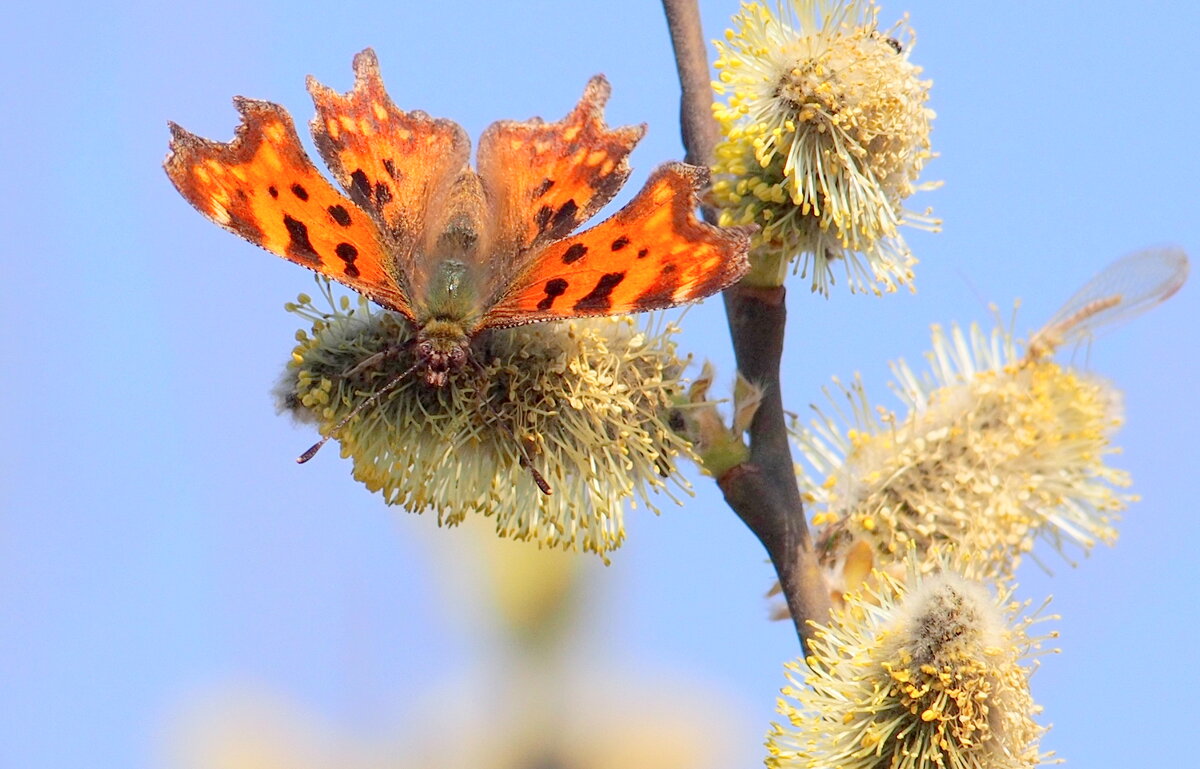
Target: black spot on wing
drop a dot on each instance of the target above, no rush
(299, 245)
(348, 253)
(557, 223)
(565, 216)
(620, 243)
(299, 191)
(658, 296)
(340, 214)
(543, 188)
(642, 252)
(272, 191)
(390, 167)
(360, 184)
(554, 289)
(600, 297)
(383, 194)
(574, 253)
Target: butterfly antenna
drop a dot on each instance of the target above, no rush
(382, 391)
(526, 460)
(539, 479)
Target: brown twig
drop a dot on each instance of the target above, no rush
(762, 491)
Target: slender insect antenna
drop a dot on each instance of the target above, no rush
(526, 460)
(391, 385)
(539, 479)
(312, 451)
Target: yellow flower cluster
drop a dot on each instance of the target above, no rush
(585, 402)
(826, 131)
(918, 666)
(996, 450)
(924, 671)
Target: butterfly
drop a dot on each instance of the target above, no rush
(458, 251)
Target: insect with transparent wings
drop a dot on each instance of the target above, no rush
(1122, 290)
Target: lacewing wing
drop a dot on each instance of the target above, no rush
(1122, 290)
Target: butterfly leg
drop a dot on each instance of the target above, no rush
(392, 350)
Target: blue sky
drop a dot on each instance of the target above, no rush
(157, 540)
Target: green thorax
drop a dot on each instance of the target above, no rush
(447, 322)
(452, 295)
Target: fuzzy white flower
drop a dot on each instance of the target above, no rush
(826, 132)
(996, 450)
(931, 670)
(585, 402)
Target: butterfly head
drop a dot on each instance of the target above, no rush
(443, 348)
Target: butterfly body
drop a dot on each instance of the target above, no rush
(443, 339)
(448, 284)
(454, 250)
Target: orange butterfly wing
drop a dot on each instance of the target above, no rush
(263, 187)
(653, 254)
(545, 179)
(540, 181)
(398, 165)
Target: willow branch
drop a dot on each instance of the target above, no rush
(696, 122)
(762, 491)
